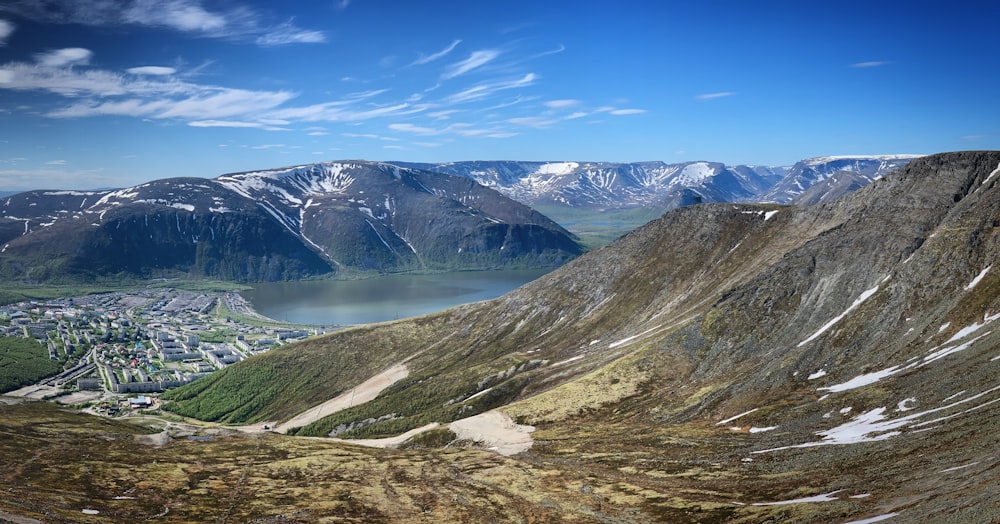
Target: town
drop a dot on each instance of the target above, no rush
(119, 347)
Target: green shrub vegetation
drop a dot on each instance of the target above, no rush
(285, 382)
(23, 361)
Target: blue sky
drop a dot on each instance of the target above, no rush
(112, 93)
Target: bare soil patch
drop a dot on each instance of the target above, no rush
(364, 392)
(496, 431)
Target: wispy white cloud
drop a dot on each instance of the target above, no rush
(873, 63)
(371, 136)
(363, 95)
(611, 110)
(205, 104)
(288, 33)
(74, 82)
(341, 111)
(509, 103)
(174, 94)
(460, 129)
(537, 122)
(6, 29)
(56, 163)
(561, 104)
(630, 111)
(64, 57)
(222, 123)
(475, 60)
(440, 54)
(555, 51)
(152, 70)
(342, 4)
(182, 15)
(444, 114)
(415, 129)
(157, 92)
(487, 89)
(516, 27)
(236, 124)
(713, 96)
(241, 22)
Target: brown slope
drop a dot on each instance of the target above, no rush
(630, 358)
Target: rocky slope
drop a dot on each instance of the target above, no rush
(843, 354)
(276, 225)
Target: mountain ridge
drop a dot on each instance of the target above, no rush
(803, 351)
(662, 185)
(297, 222)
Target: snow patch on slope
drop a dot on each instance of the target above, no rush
(864, 296)
(557, 168)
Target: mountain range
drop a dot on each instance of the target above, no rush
(664, 186)
(727, 362)
(279, 224)
(335, 217)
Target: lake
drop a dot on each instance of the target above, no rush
(389, 297)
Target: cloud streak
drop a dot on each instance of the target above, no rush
(235, 124)
(561, 104)
(873, 63)
(630, 111)
(191, 17)
(461, 129)
(288, 33)
(440, 54)
(64, 57)
(714, 96)
(475, 60)
(151, 70)
(6, 29)
(173, 94)
(181, 15)
(485, 90)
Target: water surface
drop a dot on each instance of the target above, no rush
(346, 302)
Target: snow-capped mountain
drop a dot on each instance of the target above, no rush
(605, 186)
(277, 224)
(832, 176)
